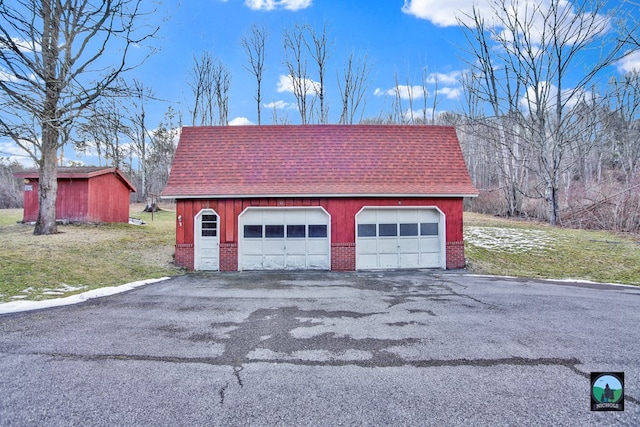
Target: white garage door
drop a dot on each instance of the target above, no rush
(284, 239)
(399, 238)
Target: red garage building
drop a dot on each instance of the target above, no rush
(85, 194)
(334, 197)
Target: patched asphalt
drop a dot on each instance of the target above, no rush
(319, 348)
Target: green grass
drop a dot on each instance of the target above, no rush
(10, 216)
(83, 257)
(560, 253)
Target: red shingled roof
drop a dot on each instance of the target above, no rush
(318, 160)
(79, 172)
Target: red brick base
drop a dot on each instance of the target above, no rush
(343, 256)
(184, 256)
(228, 257)
(455, 255)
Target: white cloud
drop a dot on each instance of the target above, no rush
(443, 13)
(285, 84)
(240, 121)
(450, 92)
(420, 115)
(277, 4)
(405, 92)
(629, 63)
(22, 45)
(547, 93)
(450, 78)
(530, 14)
(281, 105)
(10, 151)
(538, 18)
(7, 77)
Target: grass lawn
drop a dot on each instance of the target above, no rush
(83, 257)
(527, 249)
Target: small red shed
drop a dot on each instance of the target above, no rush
(333, 197)
(85, 194)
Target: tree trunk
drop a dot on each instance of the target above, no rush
(47, 188)
(553, 195)
(49, 118)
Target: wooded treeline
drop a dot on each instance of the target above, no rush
(550, 128)
(547, 131)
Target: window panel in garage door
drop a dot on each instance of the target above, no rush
(398, 238)
(291, 239)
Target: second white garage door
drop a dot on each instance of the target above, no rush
(389, 238)
(284, 239)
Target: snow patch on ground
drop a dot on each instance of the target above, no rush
(512, 240)
(59, 291)
(16, 306)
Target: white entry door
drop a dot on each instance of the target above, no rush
(207, 241)
(284, 239)
(390, 238)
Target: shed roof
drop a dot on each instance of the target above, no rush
(318, 161)
(79, 172)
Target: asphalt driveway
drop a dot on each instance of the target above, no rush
(393, 348)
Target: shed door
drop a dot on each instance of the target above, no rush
(207, 241)
(284, 239)
(391, 238)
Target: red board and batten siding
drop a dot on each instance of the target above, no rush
(71, 202)
(108, 199)
(102, 198)
(342, 210)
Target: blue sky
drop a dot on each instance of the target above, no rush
(402, 39)
(396, 42)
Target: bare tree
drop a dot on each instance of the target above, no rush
(623, 123)
(525, 76)
(103, 130)
(494, 120)
(279, 119)
(54, 53)
(10, 192)
(296, 63)
(398, 108)
(319, 48)
(209, 82)
(139, 133)
(201, 81)
(425, 95)
(221, 83)
(356, 82)
(254, 46)
(163, 147)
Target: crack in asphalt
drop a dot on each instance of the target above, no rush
(221, 393)
(442, 291)
(396, 362)
(236, 373)
(569, 363)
